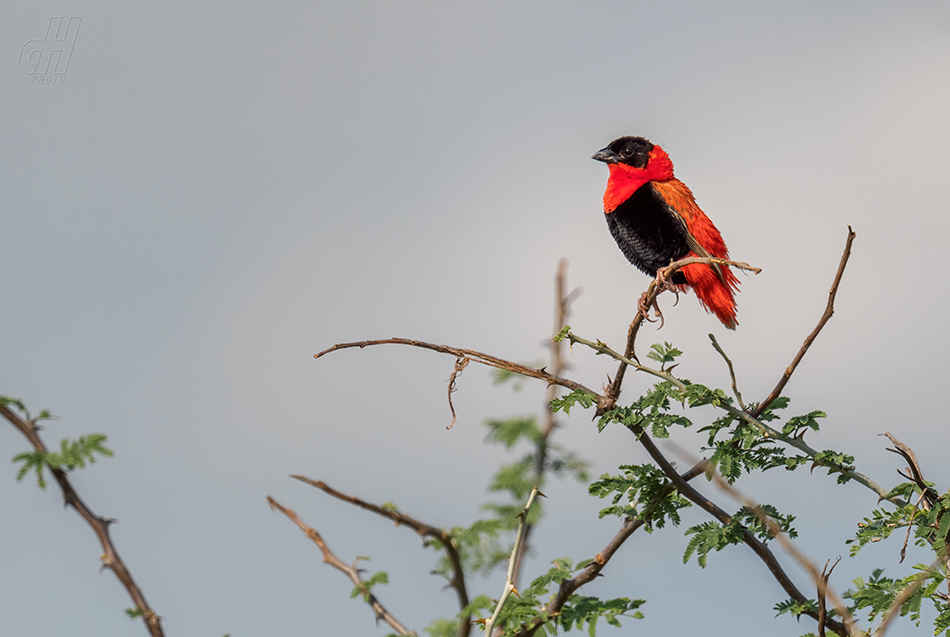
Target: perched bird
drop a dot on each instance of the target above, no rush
(655, 220)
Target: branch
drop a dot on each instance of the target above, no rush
(758, 547)
(509, 583)
(764, 430)
(829, 311)
(593, 569)
(928, 494)
(561, 312)
(820, 578)
(425, 530)
(100, 526)
(478, 357)
(653, 290)
(732, 373)
(350, 571)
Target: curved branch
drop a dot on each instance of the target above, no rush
(99, 525)
(426, 530)
(350, 571)
(478, 357)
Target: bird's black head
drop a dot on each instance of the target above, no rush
(633, 151)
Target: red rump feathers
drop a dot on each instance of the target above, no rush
(655, 220)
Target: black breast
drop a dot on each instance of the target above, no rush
(650, 234)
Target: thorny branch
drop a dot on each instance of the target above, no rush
(352, 572)
(444, 538)
(515, 551)
(99, 525)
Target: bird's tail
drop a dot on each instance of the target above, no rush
(715, 292)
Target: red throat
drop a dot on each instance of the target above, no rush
(625, 180)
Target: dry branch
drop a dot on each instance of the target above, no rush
(352, 572)
(829, 311)
(425, 530)
(99, 525)
(478, 357)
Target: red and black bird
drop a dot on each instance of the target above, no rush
(655, 220)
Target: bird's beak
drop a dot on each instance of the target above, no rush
(606, 155)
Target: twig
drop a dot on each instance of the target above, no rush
(732, 373)
(99, 525)
(509, 583)
(829, 311)
(352, 572)
(460, 363)
(927, 492)
(425, 530)
(478, 357)
(822, 601)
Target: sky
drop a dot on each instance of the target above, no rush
(214, 192)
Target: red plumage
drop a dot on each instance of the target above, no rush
(655, 220)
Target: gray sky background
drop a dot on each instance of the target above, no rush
(218, 191)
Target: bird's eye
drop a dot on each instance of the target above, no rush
(626, 152)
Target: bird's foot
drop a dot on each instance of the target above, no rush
(644, 310)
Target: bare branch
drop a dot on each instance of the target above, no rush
(927, 492)
(99, 525)
(425, 530)
(732, 373)
(478, 357)
(460, 363)
(515, 550)
(352, 572)
(829, 311)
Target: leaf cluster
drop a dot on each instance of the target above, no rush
(72, 454)
(641, 492)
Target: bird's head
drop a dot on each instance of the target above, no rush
(637, 153)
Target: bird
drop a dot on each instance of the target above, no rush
(655, 220)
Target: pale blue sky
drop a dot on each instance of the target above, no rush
(218, 191)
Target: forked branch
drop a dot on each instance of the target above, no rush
(349, 570)
(443, 537)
